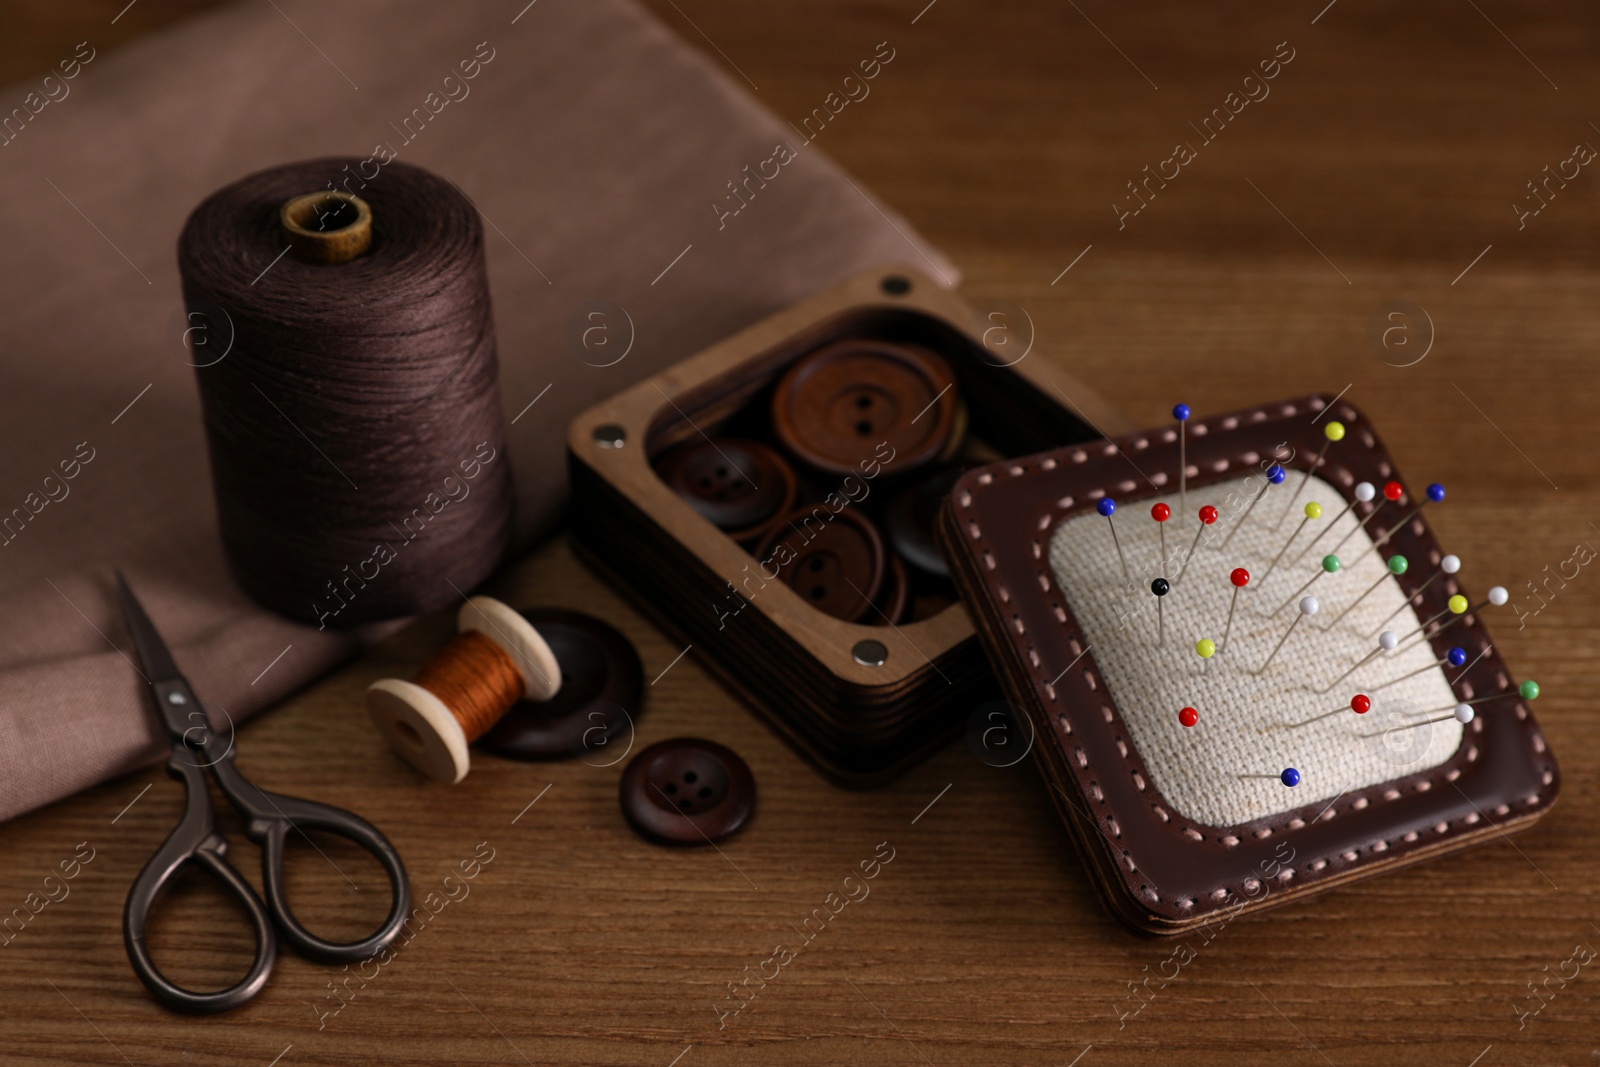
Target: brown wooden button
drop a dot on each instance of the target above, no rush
(910, 517)
(854, 404)
(834, 561)
(687, 791)
(602, 687)
(738, 485)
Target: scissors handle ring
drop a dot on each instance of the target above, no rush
(141, 898)
(274, 817)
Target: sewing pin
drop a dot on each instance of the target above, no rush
(1333, 431)
(1456, 657)
(1498, 596)
(1528, 690)
(1108, 507)
(1448, 565)
(1290, 777)
(1330, 564)
(1161, 587)
(1181, 413)
(1308, 606)
(1364, 492)
(1435, 494)
(1360, 704)
(1275, 476)
(1161, 513)
(1387, 642)
(1313, 511)
(1455, 605)
(1240, 578)
(1205, 648)
(1392, 493)
(1462, 714)
(1188, 717)
(1397, 566)
(1208, 516)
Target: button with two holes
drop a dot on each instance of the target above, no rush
(835, 561)
(856, 403)
(687, 791)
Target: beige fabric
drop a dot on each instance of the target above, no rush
(594, 142)
(1197, 769)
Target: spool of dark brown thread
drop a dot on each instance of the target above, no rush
(354, 424)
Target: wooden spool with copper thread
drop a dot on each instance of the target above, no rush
(327, 226)
(496, 659)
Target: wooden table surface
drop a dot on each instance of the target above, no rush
(1382, 167)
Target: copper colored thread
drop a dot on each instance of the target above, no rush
(476, 679)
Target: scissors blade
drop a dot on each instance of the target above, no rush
(158, 663)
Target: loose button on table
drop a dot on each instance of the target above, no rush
(602, 686)
(687, 791)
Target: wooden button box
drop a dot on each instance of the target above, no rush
(862, 700)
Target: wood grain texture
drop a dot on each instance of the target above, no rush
(1396, 142)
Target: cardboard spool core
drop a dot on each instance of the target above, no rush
(327, 226)
(422, 729)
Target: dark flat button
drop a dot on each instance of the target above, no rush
(738, 485)
(855, 404)
(835, 561)
(910, 518)
(602, 686)
(687, 791)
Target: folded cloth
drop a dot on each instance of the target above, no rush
(598, 149)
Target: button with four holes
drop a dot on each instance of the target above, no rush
(737, 485)
(857, 403)
(687, 791)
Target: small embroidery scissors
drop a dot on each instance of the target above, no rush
(269, 818)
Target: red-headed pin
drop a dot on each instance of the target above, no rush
(1435, 495)
(1393, 493)
(1161, 513)
(1240, 578)
(1208, 516)
(1360, 704)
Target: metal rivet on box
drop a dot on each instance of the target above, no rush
(870, 653)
